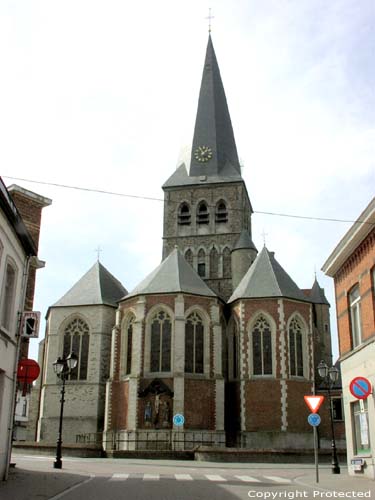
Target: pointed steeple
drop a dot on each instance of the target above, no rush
(317, 295)
(214, 151)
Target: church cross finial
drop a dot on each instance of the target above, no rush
(209, 17)
(264, 234)
(98, 250)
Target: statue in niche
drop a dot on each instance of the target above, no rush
(165, 414)
(148, 414)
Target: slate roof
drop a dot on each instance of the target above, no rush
(173, 275)
(244, 241)
(97, 287)
(317, 295)
(213, 129)
(266, 278)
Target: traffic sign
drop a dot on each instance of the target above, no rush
(314, 419)
(314, 402)
(178, 419)
(360, 387)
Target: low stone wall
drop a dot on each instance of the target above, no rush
(49, 449)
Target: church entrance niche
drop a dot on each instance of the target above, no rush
(156, 406)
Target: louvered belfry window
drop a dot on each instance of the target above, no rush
(76, 340)
(184, 215)
(203, 216)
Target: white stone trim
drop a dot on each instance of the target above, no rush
(283, 370)
(219, 405)
(179, 342)
(132, 404)
(217, 339)
(243, 364)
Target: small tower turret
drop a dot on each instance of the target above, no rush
(243, 255)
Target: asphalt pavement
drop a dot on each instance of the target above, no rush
(34, 478)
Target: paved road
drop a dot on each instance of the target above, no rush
(98, 479)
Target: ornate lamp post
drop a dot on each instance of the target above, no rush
(330, 375)
(62, 367)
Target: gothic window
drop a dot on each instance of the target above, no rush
(76, 339)
(227, 271)
(203, 216)
(221, 212)
(262, 347)
(214, 263)
(194, 344)
(127, 348)
(161, 336)
(184, 215)
(355, 316)
(8, 296)
(189, 257)
(202, 263)
(296, 348)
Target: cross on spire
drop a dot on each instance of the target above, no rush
(209, 17)
(264, 234)
(98, 250)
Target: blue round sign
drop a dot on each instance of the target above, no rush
(178, 419)
(314, 419)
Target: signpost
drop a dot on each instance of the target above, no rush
(314, 402)
(360, 387)
(178, 419)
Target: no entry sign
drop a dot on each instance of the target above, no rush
(360, 387)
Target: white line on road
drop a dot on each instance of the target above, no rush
(278, 479)
(119, 477)
(151, 477)
(214, 477)
(69, 490)
(183, 477)
(248, 479)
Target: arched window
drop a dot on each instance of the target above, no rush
(161, 336)
(221, 212)
(203, 216)
(76, 339)
(194, 344)
(8, 296)
(214, 263)
(202, 263)
(184, 215)
(189, 257)
(127, 338)
(262, 347)
(295, 348)
(227, 270)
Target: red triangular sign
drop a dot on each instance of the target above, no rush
(314, 402)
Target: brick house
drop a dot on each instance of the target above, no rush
(352, 266)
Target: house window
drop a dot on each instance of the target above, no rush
(262, 347)
(214, 263)
(355, 316)
(202, 263)
(337, 410)
(194, 333)
(295, 348)
(202, 213)
(161, 334)
(8, 296)
(184, 216)
(221, 213)
(128, 342)
(360, 427)
(76, 339)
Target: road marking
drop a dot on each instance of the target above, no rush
(278, 479)
(183, 477)
(119, 477)
(74, 487)
(151, 477)
(214, 477)
(248, 479)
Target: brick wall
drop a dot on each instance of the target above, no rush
(199, 410)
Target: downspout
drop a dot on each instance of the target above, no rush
(18, 341)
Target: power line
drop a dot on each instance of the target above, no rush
(150, 198)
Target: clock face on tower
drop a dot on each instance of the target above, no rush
(203, 154)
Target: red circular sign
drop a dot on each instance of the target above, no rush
(360, 387)
(28, 371)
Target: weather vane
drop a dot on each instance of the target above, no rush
(264, 237)
(209, 17)
(98, 250)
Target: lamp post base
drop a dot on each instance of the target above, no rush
(57, 464)
(335, 469)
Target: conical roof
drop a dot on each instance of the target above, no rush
(317, 295)
(213, 126)
(173, 275)
(266, 278)
(97, 287)
(244, 241)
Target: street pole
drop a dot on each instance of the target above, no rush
(334, 462)
(58, 462)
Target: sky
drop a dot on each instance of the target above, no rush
(103, 95)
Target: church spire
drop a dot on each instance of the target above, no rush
(214, 151)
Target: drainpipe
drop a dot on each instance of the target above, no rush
(18, 341)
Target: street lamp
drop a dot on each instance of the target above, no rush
(62, 367)
(330, 375)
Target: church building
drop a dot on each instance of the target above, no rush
(216, 346)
